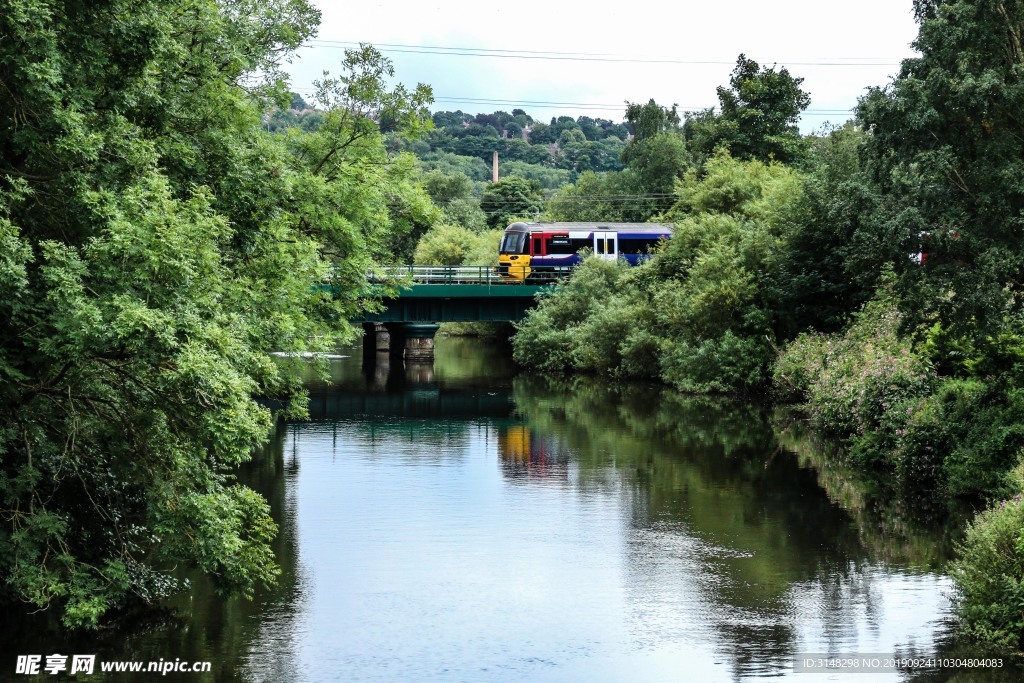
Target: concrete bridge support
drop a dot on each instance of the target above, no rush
(412, 341)
(419, 342)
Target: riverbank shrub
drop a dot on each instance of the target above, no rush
(986, 438)
(872, 386)
(696, 315)
(989, 574)
(559, 336)
(853, 383)
(719, 365)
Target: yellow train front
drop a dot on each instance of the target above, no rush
(547, 251)
(514, 253)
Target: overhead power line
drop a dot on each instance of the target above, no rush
(583, 56)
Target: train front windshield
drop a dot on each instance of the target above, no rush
(513, 243)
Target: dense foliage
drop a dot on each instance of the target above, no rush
(990, 575)
(156, 243)
(946, 151)
(453, 245)
(699, 314)
(510, 199)
(872, 385)
(756, 118)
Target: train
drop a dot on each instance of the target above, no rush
(539, 251)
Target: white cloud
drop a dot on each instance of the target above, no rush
(808, 37)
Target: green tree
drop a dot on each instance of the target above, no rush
(946, 148)
(454, 245)
(657, 162)
(520, 150)
(453, 194)
(606, 154)
(826, 270)
(541, 133)
(656, 156)
(561, 124)
(480, 146)
(591, 128)
(758, 116)
(648, 120)
(475, 168)
(156, 243)
(548, 178)
(510, 198)
(444, 119)
(613, 196)
(445, 188)
(481, 130)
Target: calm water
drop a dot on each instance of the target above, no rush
(459, 523)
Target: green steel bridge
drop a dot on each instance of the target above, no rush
(442, 294)
(428, 295)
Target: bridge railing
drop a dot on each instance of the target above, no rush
(464, 275)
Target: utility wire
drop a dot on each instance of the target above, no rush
(578, 56)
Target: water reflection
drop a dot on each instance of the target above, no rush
(724, 526)
(462, 523)
(528, 458)
(902, 527)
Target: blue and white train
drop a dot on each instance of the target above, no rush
(528, 251)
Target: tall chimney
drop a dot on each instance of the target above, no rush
(494, 167)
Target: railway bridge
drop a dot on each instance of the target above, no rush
(429, 295)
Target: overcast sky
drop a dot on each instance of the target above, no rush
(588, 58)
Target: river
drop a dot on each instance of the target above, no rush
(461, 522)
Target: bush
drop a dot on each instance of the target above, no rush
(641, 353)
(870, 384)
(615, 339)
(929, 429)
(540, 343)
(855, 383)
(988, 437)
(560, 334)
(729, 364)
(596, 342)
(797, 368)
(989, 575)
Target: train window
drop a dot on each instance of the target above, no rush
(606, 244)
(638, 245)
(561, 244)
(580, 244)
(513, 243)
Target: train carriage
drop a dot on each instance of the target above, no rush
(532, 251)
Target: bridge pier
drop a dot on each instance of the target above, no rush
(419, 342)
(413, 341)
(375, 339)
(396, 339)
